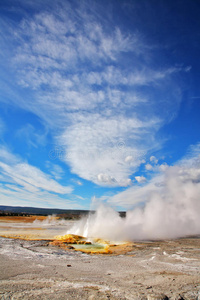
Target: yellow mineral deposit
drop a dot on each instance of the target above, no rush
(28, 228)
(80, 243)
(92, 246)
(71, 239)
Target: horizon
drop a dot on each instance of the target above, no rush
(54, 208)
(99, 103)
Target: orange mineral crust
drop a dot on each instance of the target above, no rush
(79, 243)
(92, 246)
(49, 229)
(24, 219)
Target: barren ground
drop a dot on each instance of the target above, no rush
(150, 270)
(156, 270)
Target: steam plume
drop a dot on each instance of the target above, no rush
(172, 210)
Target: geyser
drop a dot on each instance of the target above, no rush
(171, 211)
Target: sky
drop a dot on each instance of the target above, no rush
(97, 99)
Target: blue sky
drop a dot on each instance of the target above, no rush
(97, 98)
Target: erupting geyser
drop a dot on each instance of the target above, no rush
(172, 211)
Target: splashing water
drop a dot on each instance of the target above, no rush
(51, 220)
(101, 224)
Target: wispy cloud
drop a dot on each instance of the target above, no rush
(153, 159)
(78, 182)
(29, 177)
(137, 194)
(148, 167)
(7, 157)
(13, 195)
(104, 111)
(24, 182)
(56, 170)
(140, 179)
(32, 137)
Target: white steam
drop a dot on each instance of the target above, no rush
(172, 210)
(51, 220)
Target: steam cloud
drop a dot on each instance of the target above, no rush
(171, 211)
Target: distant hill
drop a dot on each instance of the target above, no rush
(41, 211)
(62, 213)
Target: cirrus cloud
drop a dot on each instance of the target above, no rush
(24, 183)
(102, 110)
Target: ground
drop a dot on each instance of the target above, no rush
(152, 270)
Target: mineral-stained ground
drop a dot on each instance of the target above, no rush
(42, 269)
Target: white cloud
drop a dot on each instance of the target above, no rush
(14, 195)
(129, 159)
(79, 182)
(192, 156)
(140, 179)
(114, 76)
(153, 159)
(55, 170)
(7, 157)
(126, 182)
(76, 181)
(136, 194)
(28, 177)
(98, 148)
(104, 178)
(78, 81)
(25, 185)
(148, 167)
(163, 167)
